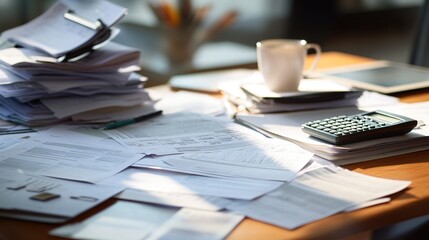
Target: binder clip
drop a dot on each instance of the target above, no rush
(102, 34)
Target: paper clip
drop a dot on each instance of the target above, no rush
(84, 198)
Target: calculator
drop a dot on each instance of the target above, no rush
(360, 127)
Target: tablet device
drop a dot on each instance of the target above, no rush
(381, 76)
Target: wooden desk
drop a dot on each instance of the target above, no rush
(410, 203)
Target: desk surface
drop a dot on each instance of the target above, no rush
(412, 202)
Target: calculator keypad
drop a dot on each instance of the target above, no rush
(361, 127)
(345, 125)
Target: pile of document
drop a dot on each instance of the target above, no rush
(185, 167)
(186, 161)
(288, 126)
(41, 84)
(252, 94)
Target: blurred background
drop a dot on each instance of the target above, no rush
(383, 29)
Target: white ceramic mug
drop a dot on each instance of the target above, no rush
(281, 62)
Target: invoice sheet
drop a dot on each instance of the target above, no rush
(73, 198)
(268, 159)
(191, 224)
(351, 186)
(315, 195)
(90, 134)
(171, 182)
(209, 203)
(123, 220)
(181, 133)
(60, 158)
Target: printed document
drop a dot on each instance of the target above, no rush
(315, 195)
(72, 199)
(123, 220)
(181, 133)
(171, 182)
(66, 160)
(268, 159)
(194, 201)
(191, 224)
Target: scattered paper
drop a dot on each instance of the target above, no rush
(266, 159)
(315, 195)
(175, 199)
(74, 197)
(123, 220)
(170, 182)
(66, 160)
(181, 132)
(191, 224)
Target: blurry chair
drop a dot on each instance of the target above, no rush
(420, 51)
(417, 228)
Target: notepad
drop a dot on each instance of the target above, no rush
(381, 76)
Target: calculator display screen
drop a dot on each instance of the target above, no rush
(385, 118)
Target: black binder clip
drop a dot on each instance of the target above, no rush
(70, 15)
(103, 33)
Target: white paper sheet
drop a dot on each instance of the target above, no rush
(266, 159)
(191, 224)
(45, 31)
(190, 102)
(175, 199)
(70, 105)
(66, 160)
(315, 195)
(182, 132)
(123, 220)
(170, 182)
(74, 198)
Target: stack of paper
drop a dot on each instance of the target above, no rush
(69, 29)
(288, 126)
(254, 96)
(38, 88)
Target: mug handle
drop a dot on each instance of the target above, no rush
(318, 50)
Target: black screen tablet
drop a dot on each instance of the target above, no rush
(382, 76)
